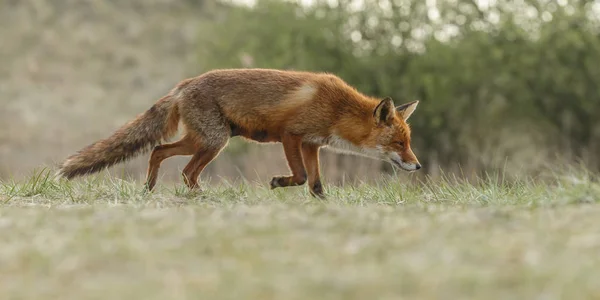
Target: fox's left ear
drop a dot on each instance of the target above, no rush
(405, 110)
(384, 112)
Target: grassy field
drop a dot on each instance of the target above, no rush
(102, 238)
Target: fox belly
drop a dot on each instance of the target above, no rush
(257, 135)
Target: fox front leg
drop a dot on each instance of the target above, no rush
(310, 154)
(292, 145)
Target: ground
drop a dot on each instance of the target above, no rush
(105, 238)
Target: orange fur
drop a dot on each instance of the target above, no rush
(302, 110)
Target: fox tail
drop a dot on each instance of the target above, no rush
(132, 139)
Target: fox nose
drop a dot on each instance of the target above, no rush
(418, 166)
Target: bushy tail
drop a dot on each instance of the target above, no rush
(132, 139)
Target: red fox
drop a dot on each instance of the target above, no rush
(302, 110)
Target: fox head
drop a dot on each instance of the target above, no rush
(391, 134)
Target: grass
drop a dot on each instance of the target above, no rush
(103, 238)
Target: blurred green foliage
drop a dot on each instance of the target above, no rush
(498, 80)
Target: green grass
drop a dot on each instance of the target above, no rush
(104, 238)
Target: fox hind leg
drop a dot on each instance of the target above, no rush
(185, 146)
(202, 115)
(199, 161)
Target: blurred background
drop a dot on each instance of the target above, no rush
(504, 85)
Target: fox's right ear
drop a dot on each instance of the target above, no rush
(384, 112)
(407, 109)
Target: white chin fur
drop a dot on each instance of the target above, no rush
(407, 167)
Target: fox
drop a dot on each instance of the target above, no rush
(304, 111)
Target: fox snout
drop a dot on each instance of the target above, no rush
(406, 160)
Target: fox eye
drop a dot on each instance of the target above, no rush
(400, 143)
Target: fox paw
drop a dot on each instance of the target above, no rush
(148, 188)
(275, 182)
(317, 190)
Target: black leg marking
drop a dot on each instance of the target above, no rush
(317, 190)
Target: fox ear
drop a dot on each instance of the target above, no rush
(407, 109)
(384, 112)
